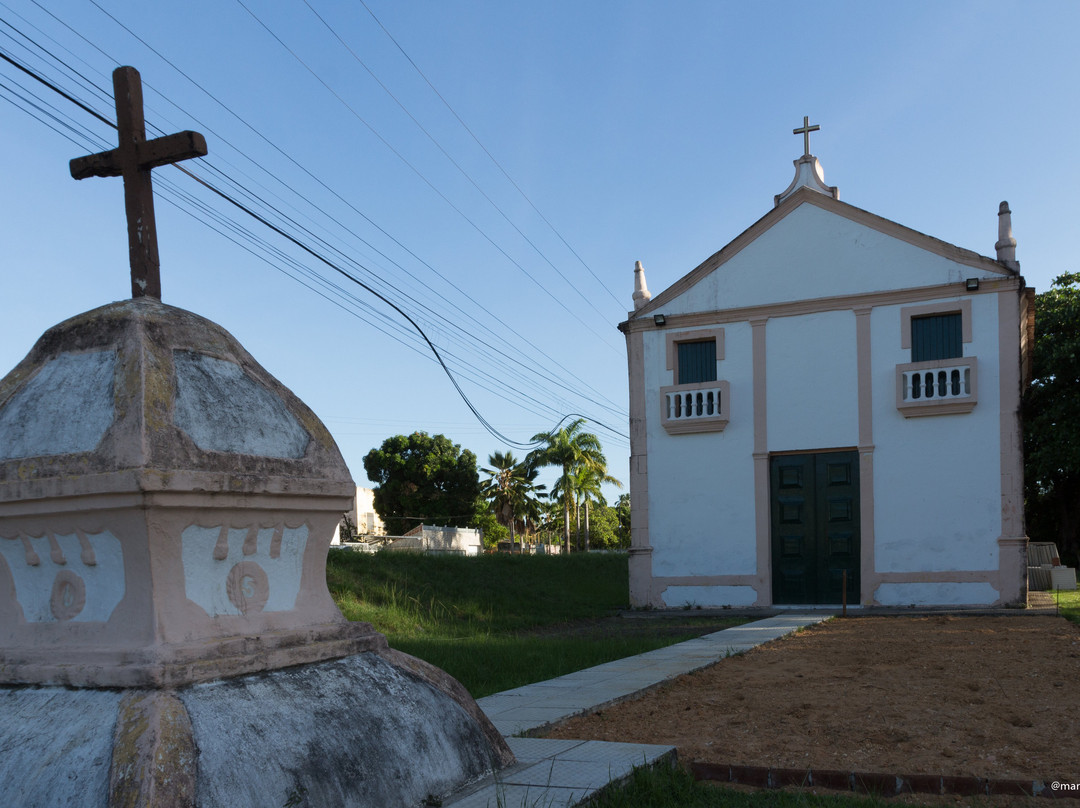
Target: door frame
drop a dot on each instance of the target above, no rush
(829, 540)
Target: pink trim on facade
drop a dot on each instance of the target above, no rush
(762, 528)
(640, 562)
(864, 365)
(823, 304)
(963, 307)
(938, 577)
(673, 338)
(663, 582)
(1012, 545)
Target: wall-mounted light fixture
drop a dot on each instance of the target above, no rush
(972, 284)
(659, 319)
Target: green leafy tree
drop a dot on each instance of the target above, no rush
(423, 478)
(1052, 420)
(491, 532)
(602, 528)
(569, 449)
(622, 513)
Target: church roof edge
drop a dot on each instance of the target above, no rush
(804, 195)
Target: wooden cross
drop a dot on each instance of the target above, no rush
(133, 159)
(805, 132)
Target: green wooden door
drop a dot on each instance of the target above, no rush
(815, 527)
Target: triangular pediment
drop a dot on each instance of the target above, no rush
(814, 246)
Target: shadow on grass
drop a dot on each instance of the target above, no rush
(674, 787)
(487, 665)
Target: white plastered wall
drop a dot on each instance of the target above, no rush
(935, 509)
(700, 484)
(813, 253)
(812, 382)
(937, 479)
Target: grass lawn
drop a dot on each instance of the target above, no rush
(499, 621)
(1068, 604)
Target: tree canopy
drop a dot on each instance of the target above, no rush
(512, 488)
(571, 449)
(423, 478)
(1052, 420)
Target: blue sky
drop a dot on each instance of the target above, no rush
(634, 130)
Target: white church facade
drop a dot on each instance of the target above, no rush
(826, 411)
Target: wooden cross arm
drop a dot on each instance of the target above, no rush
(151, 154)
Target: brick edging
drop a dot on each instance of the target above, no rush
(877, 783)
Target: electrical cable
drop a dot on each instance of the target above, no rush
(453, 162)
(301, 245)
(424, 178)
(320, 182)
(484, 148)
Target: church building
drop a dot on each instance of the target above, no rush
(826, 411)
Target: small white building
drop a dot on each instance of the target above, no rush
(362, 514)
(829, 405)
(436, 539)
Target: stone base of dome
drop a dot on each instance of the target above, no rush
(187, 663)
(372, 729)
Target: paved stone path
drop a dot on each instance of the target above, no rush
(558, 773)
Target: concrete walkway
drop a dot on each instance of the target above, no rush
(558, 774)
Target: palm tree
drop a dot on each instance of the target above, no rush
(587, 482)
(512, 488)
(569, 448)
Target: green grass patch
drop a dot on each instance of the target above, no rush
(673, 787)
(1068, 604)
(495, 622)
(415, 594)
(491, 664)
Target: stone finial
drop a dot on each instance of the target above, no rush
(808, 174)
(642, 295)
(1006, 244)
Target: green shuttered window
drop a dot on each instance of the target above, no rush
(697, 362)
(939, 336)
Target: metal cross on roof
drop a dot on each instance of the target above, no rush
(805, 132)
(133, 159)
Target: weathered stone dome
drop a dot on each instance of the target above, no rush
(165, 508)
(166, 632)
(138, 395)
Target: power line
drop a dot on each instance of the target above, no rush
(484, 148)
(320, 182)
(456, 164)
(424, 178)
(300, 244)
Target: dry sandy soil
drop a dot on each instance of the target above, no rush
(985, 696)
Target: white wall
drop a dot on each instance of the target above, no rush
(937, 479)
(700, 484)
(811, 254)
(811, 382)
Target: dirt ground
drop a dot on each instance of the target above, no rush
(985, 696)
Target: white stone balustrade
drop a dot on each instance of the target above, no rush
(702, 407)
(936, 388)
(941, 383)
